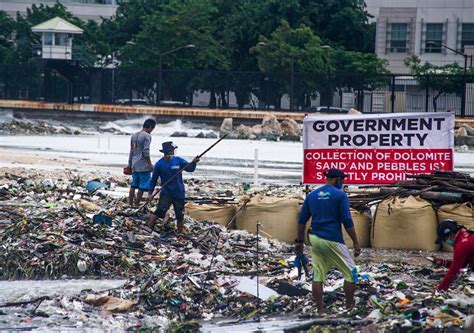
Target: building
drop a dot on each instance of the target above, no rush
(419, 27)
(84, 9)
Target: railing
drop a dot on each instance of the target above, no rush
(244, 90)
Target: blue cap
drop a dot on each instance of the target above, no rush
(167, 147)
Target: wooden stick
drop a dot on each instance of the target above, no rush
(177, 174)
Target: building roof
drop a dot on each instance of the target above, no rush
(57, 24)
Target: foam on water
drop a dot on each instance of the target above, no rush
(133, 125)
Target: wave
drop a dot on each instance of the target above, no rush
(133, 125)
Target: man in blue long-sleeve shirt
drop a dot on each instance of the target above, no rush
(174, 192)
(328, 207)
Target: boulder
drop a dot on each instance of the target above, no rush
(469, 129)
(226, 127)
(271, 128)
(211, 135)
(353, 111)
(179, 135)
(200, 135)
(257, 130)
(290, 127)
(464, 141)
(244, 132)
(461, 131)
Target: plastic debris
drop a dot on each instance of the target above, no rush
(50, 234)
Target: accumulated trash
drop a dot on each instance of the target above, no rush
(208, 275)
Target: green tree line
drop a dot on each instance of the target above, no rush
(324, 37)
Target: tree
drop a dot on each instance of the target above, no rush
(443, 80)
(175, 25)
(7, 27)
(360, 71)
(128, 21)
(343, 23)
(299, 45)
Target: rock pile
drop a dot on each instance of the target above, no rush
(270, 129)
(464, 136)
(16, 127)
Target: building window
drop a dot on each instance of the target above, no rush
(434, 37)
(398, 37)
(467, 37)
(48, 38)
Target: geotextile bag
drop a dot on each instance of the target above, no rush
(220, 214)
(404, 223)
(362, 227)
(278, 217)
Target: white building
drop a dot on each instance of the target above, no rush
(407, 27)
(84, 9)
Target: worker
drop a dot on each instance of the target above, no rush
(462, 241)
(139, 161)
(174, 192)
(328, 206)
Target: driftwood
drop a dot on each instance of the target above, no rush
(39, 299)
(328, 321)
(439, 188)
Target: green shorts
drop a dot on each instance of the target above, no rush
(326, 255)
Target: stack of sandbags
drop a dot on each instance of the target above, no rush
(362, 227)
(278, 217)
(404, 223)
(220, 214)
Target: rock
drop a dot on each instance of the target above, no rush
(243, 132)
(469, 129)
(271, 128)
(211, 135)
(179, 135)
(464, 140)
(353, 111)
(226, 127)
(295, 138)
(290, 127)
(257, 130)
(200, 135)
(461, 131)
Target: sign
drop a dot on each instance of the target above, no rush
(377, 148)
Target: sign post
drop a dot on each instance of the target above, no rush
(377, 148)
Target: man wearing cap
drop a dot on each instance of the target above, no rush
(328, 206)
(139, 161)
(174, 192)
(462, 241)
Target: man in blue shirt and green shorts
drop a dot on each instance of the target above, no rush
(173, 193)
(328, 207)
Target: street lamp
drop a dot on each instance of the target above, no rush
(160, 56)
(292, 62)
(111, 57)
(463, 96)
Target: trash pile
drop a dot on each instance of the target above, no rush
(210, 274)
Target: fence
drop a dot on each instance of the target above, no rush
(240, 90)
